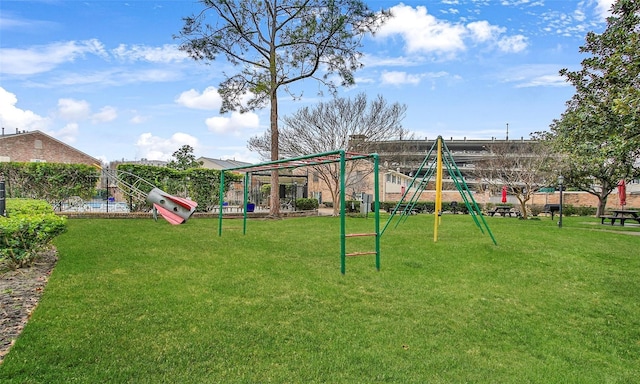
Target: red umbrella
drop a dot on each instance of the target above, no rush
(622, 193)
(504, 194)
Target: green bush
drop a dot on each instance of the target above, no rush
(305, 204)
(536, 209)
(28, 229)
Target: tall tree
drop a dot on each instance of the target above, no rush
(184, 159)
(276, 43)
(340, 124)
(523, 167)
(599, 132)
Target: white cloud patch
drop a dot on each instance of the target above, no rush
(209, 99)
(603, 8)
(73, 110)
(13, 117)
(483, 31)
(424, 33)
(66, 134)
(535, 76)
(158, 148)
(106, 114)
(513, 44)
(39, 59)
(235, 124)
(399, 78)
(138, 119)
(167, 53)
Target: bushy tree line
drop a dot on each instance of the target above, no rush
(599, 133)
(52, 182)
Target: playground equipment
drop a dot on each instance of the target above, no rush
(340, 156)
(176, 210)
(443, 158)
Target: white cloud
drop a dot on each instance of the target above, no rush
(209, 99)
(167, 53)
(66, 134)
(106, 114)
(39, 59)
(236, 123)
(422, 32)
(138, 119)
(544, 81)
(73, 110)
(604, 7)
(513, 44)
(13, 117)
(157, 148)
(534, 76)
(483, 31)
(399, 78)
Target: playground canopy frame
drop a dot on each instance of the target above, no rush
(340, 156)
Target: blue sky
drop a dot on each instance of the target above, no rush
(107, 78)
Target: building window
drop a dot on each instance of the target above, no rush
(38, 144)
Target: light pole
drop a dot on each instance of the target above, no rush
(3, 206)
(560, 184)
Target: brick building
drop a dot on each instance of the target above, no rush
(36, 146)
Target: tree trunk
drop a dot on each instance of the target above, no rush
(523, 208)
(602, 202)
(335, 195)
(274, 209)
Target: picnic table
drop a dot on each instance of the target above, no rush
(504, 210)
(621, 215)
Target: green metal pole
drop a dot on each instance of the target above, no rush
(246, 201)
(221, 202)
(343, 222)
(376, 207)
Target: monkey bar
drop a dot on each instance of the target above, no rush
(340, 156)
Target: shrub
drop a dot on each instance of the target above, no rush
(28, 229)
(305, 204)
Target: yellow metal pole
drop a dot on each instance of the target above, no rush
(438, 207)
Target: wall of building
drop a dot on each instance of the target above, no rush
(38, 147)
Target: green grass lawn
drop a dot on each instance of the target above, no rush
(138, 301)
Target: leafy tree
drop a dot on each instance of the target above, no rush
(340, 124)
(276, 43)
(523, 169)
(599, 133)
(184, 159)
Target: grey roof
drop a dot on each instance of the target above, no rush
(223, 164)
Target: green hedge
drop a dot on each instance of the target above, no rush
(28, 229)
(52, 182)
(305, 204)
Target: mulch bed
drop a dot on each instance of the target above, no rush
(20, 291)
